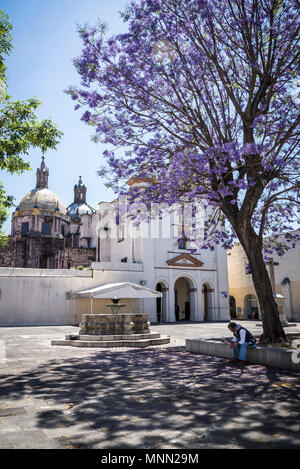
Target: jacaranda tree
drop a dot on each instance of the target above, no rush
(201, 94)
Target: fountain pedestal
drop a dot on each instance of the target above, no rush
(114, 324)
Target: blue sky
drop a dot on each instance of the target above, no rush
(44, 43)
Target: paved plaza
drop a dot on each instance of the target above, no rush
(161, 397)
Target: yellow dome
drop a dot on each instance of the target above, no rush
(43, 198)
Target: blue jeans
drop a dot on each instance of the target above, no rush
(240, 351)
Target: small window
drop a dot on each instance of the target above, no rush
(181, 243)
(120, 233)
(43, 262)
(25, 228)
(124, 259)
(62, 230)
(46, 228)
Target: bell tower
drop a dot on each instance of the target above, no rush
(42, 175)
(80, 192)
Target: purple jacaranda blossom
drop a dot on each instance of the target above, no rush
(198, 92)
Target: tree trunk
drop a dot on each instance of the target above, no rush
(272, 328)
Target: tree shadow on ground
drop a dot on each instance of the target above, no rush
(156, 398)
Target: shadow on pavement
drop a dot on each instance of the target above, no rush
(162, 398)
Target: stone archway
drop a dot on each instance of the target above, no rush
(232, 306)
(286, 292)
(185, 304)
(161, 303)
(250, 307)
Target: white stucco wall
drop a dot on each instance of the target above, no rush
(42, 296)
(35, 296)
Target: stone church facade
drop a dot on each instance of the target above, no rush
(45, 234)
(48, 242)
(194, 284)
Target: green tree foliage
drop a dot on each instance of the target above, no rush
(20, 129)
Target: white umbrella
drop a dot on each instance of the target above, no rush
(118, 290)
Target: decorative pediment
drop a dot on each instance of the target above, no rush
(185, 260)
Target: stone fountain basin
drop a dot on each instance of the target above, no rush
(114, 324)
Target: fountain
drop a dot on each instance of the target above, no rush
(114, 329)
(115, 323)
(115, 305)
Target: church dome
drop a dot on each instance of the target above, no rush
(76, 210)
(43, 198)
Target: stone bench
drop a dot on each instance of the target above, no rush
(296, 343)
(260, 355)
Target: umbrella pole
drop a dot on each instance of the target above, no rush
(92, 305)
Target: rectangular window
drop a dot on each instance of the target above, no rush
(43, 262)
(181, 243)
(46, 228)
(120, 233)
(25, 228)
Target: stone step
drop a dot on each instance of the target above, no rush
(141, 343)
(152, 335)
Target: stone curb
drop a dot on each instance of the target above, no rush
(260, 355)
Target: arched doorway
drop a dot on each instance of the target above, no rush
(232, 307)
(162, 303)
(251, 307)
(207, 302)
(159, 303)
(286, 292)
(183, 289)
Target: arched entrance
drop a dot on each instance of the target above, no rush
(251, 307)
(207, 302)
(286, 292)
(184, 291)
(161, 303)
(232, 307)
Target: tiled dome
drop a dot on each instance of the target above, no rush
(43, 198)
(76, 210)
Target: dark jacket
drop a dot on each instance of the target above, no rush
(248, 337)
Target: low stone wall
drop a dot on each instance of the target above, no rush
(260, 355)
(119, 266)
(28, 273)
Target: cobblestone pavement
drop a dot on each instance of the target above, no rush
(159, 397)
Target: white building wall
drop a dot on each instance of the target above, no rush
(39, 296)
(34, 296)
(156, 245)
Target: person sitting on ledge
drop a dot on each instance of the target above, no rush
(241, 341)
